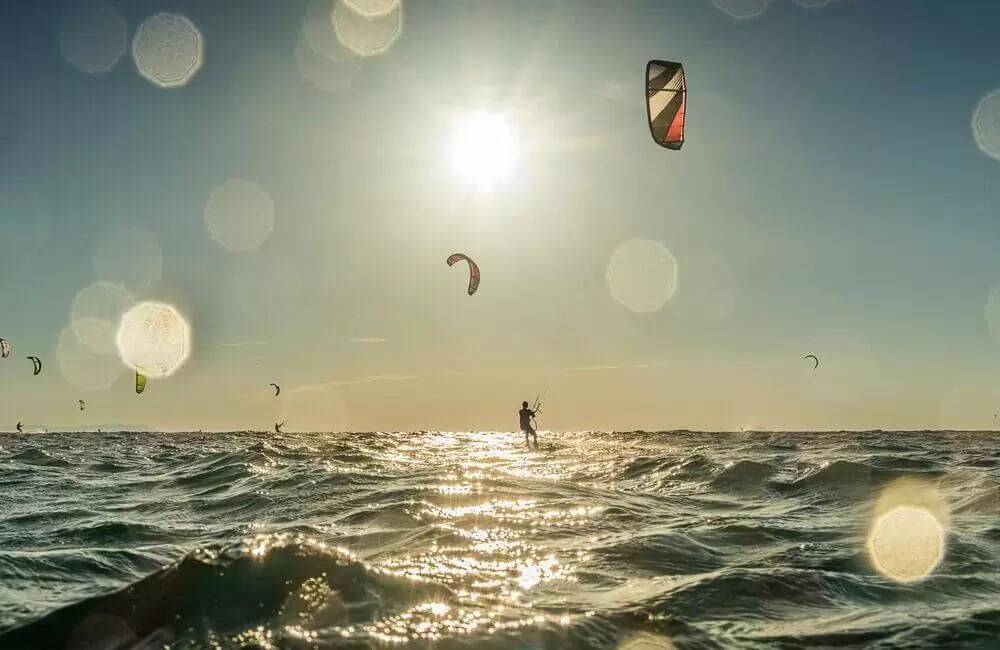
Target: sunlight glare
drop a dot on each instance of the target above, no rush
(367, 34)
(642, 275)
(168, 50)
(986, 124)
(93, 36)
(742, 9)
(906, 537)
(95, 312)
(483, 149)
(239, 215)
(154, 336)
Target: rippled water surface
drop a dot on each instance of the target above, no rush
(631, 541)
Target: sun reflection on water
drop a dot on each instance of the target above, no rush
(468, 531)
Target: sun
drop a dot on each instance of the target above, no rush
(484, 149)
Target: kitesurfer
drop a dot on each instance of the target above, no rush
(19, 429)
(527, 415)
(277, 426)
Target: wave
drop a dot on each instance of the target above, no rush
(461, 540)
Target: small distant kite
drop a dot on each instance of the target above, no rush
(4, 348)
(83, 405)
(37, 363)
(473, 270)
(666, 102)
(815, 360)
(277, 389)
(140, 382)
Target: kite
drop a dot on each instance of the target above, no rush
(666, 102)
(473, 270)
(815, 360)
(140, 382)
(277, 389)
(83, 404)
(37, 363)
(4, 348)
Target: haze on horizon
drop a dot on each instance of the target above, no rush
(288, 177)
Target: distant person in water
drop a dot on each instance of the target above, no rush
(277, 426)
(19, 429)
(526, 417)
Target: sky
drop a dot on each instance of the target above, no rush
(281, 175)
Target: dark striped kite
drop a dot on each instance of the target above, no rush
(473, 270)
(666, 102)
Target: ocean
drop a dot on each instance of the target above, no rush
(624, 541)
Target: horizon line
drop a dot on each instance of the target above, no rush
(148, 429)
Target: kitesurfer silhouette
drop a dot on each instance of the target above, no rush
(277, 426)
(19, 429)
(526, 425)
